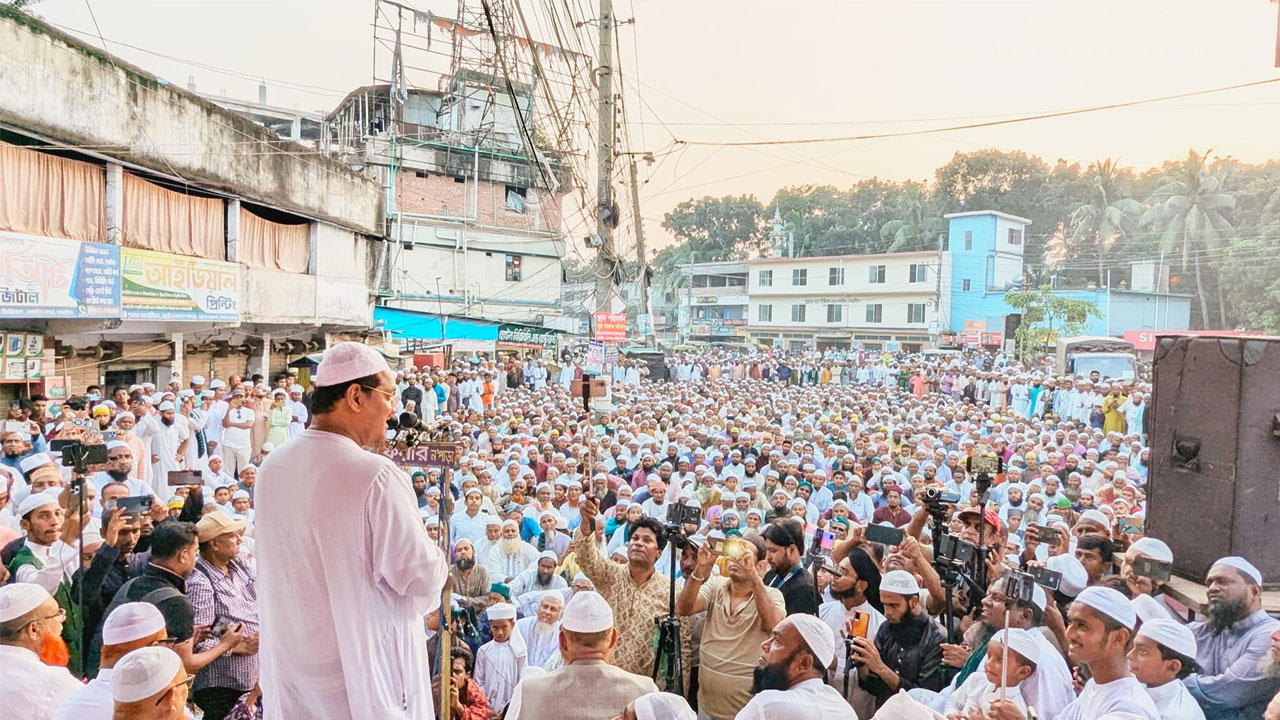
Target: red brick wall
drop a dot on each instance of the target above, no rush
(441, 195)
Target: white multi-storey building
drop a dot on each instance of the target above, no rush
(842, 301)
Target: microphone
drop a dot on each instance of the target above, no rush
(410, 421)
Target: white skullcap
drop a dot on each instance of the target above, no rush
(18, 599)
(1021, 642)
(1074, 576)
(494, 520)
(240, 495)
(1098, 517)
(38, 500)
(125, 414)
(548, 555)
(1153, 548)
(295, 388)
(663, 706)
(116, 445)
(580, 577)
(1110, 603)
(349, 361)
(187, 393)
(547, 513)
(1147, 609)
(166, 405)
(431, 521)
(130, 622)
(216, 383)
(817, 634)
(31, 462)
(899, 582)
(1244, 566)
(509, 523)
(502, 610)
(144, 673)
(1171, 634)
(1039, 597)
(588, 612)
(474, 490)
(197, 379)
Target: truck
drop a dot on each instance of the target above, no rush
(1111, 357)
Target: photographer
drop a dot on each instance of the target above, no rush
(784, 546)
(741, 615)
(907, 651)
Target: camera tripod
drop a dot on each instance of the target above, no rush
(669, 626)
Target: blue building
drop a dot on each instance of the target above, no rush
(984, 258)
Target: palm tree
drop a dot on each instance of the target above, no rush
(917, 226)
(1106, 216)
(1190, 212)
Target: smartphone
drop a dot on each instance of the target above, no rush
(185, 477)
(1048, 535)
(856, 626)
(17, 426)
(136, 505)
(1157, 570)
(884, 535)
(1051, 579)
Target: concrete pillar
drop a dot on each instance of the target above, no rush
(264, 361)
(233, 230)
(313, 248)
(295, 129)
(179, 360)
(115, 204)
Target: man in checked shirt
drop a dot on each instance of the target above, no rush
(223, 592)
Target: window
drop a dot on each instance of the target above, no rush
(964, 285)
(835, 313)
(1015, 236)
(699, 281)
(736, 280)
(875, 274)
(764, 313)
(875, 313)
(766, 278)
(797, 313)
(799, 277)
(835, 276)
(915, 312)
(513, 268)
(919, 272)
(968, 239)
(515, 198)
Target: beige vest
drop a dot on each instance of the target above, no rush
(583, 690)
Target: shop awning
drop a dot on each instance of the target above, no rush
(409, 325)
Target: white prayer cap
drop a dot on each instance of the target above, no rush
(197, 379)
(349, 361)
(18, 599)
(215, 383)
(1074, 576)
(1039, 597)
(588, 612)
(166, 405)
(1153, 548)
(116, 445)
(509, 523)
(91, 536)
(547, 513)
(663, 706)
(130, 622)
(31, 462)
(899, 582)
(1171, 634)
(1098, 517)
(502, 610)
(1147, 609)
(187, 393)
(1110, 603)
(548, 555)
(295, 388)
(474, 490)
(1021, 642)
(494, 520)
(35, 501)
(817, 634)
(125, 414)
(240, 495)
(1244, 566)
(144, 673)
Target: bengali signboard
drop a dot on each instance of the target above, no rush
(611, 327)
(437, 455)
(595, 357)
(527, 337)
(160, 286)
(43, 277)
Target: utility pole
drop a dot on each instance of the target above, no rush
(644, 262)
(605, 212)
(937, 293)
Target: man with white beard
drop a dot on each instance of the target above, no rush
(541, 632)
(169, 440)
(511, 556)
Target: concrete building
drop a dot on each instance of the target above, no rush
(146, 231)
(713, 306)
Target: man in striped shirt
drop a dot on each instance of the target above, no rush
(223, 592)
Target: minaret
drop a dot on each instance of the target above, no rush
(777, 235)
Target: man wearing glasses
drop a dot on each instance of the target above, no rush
(30, 621)
(150, 684)
(129, 627)
(345, 572)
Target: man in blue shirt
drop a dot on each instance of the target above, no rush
(1231, 642)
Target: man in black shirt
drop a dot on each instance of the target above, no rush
(784, 546)
(174, 549)
(413, 393)
(100, 581)
(907, 652)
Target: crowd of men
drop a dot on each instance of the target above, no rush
(798, 519)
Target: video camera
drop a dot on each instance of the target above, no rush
(677, 517)
(79, 455)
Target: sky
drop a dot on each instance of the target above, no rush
(747, 70)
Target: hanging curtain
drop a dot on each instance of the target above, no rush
(42, 194)
(156, 218)
(273, 245)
